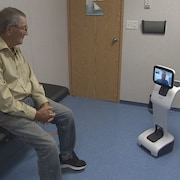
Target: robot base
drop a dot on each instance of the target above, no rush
(160, 147)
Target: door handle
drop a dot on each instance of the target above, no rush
(114, 40)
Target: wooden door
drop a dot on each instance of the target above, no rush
(95, 44)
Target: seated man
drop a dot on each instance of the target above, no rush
(23, 103)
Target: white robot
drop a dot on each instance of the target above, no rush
(157, 140)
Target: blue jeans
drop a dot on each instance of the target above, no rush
(45, 146)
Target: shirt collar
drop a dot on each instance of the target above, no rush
(3, 45)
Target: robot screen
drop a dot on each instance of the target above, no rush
(163, 76)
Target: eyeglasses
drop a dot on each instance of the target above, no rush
(24, 28)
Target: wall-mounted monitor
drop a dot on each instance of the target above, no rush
(163, 76)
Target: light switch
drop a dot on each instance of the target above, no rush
(132, 24)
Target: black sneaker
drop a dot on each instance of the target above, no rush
(74, 163)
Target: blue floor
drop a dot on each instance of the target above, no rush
(107, 139)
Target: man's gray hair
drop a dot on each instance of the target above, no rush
(9, 16)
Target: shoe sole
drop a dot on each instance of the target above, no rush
(63, 166)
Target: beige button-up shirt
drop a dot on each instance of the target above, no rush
(17, 81)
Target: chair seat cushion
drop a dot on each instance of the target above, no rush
(55, 92)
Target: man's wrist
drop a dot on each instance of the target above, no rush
(45, 104)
